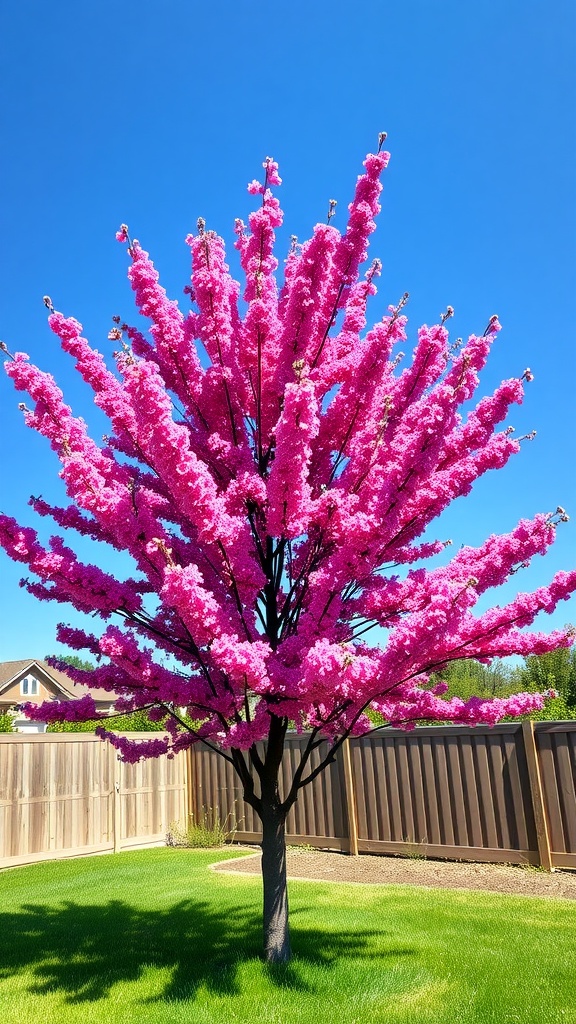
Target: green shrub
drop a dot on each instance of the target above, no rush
(71, 726)
(6, 721)
(138, 721)
(555, 710)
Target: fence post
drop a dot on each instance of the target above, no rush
(350, 799)
(190, 786)
(117, 801)
(537, 794)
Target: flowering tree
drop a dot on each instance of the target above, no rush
(273, 493)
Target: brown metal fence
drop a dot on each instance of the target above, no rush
(68, 794)
(505, 794)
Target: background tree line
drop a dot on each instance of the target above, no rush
(555, 670)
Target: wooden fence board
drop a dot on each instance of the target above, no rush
(485, 793)
(392, 781)
(417, 788)
(493, 794)
(456, 789)
(565, 776)
(430, 783)
(443, 792)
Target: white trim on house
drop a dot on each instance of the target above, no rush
(29, 686)
(28, 725)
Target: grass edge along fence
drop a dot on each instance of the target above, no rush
(506, 794)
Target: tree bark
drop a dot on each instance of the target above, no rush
(275, 917)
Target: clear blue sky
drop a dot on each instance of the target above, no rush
(156, 113)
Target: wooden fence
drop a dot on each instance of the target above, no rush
(505, 794)
(67, 794)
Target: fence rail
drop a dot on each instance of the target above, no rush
(504, 794)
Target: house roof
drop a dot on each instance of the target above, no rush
(12, 670)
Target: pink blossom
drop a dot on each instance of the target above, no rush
(289, 488)
(81, 710)
(271, 168)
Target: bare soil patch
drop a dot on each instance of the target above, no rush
(328, 866)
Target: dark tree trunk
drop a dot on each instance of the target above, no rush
(272, 813)
(275, 918)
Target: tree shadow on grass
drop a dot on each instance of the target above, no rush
(82, 951)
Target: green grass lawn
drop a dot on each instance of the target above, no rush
(153, 936)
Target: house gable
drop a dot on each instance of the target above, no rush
(51, 684)
(46, 689)
(39, 680)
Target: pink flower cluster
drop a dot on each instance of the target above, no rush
(272, 469)
(83, 709)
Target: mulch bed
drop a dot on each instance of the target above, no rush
(376, 870)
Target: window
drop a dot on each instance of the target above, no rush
(29, 687)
